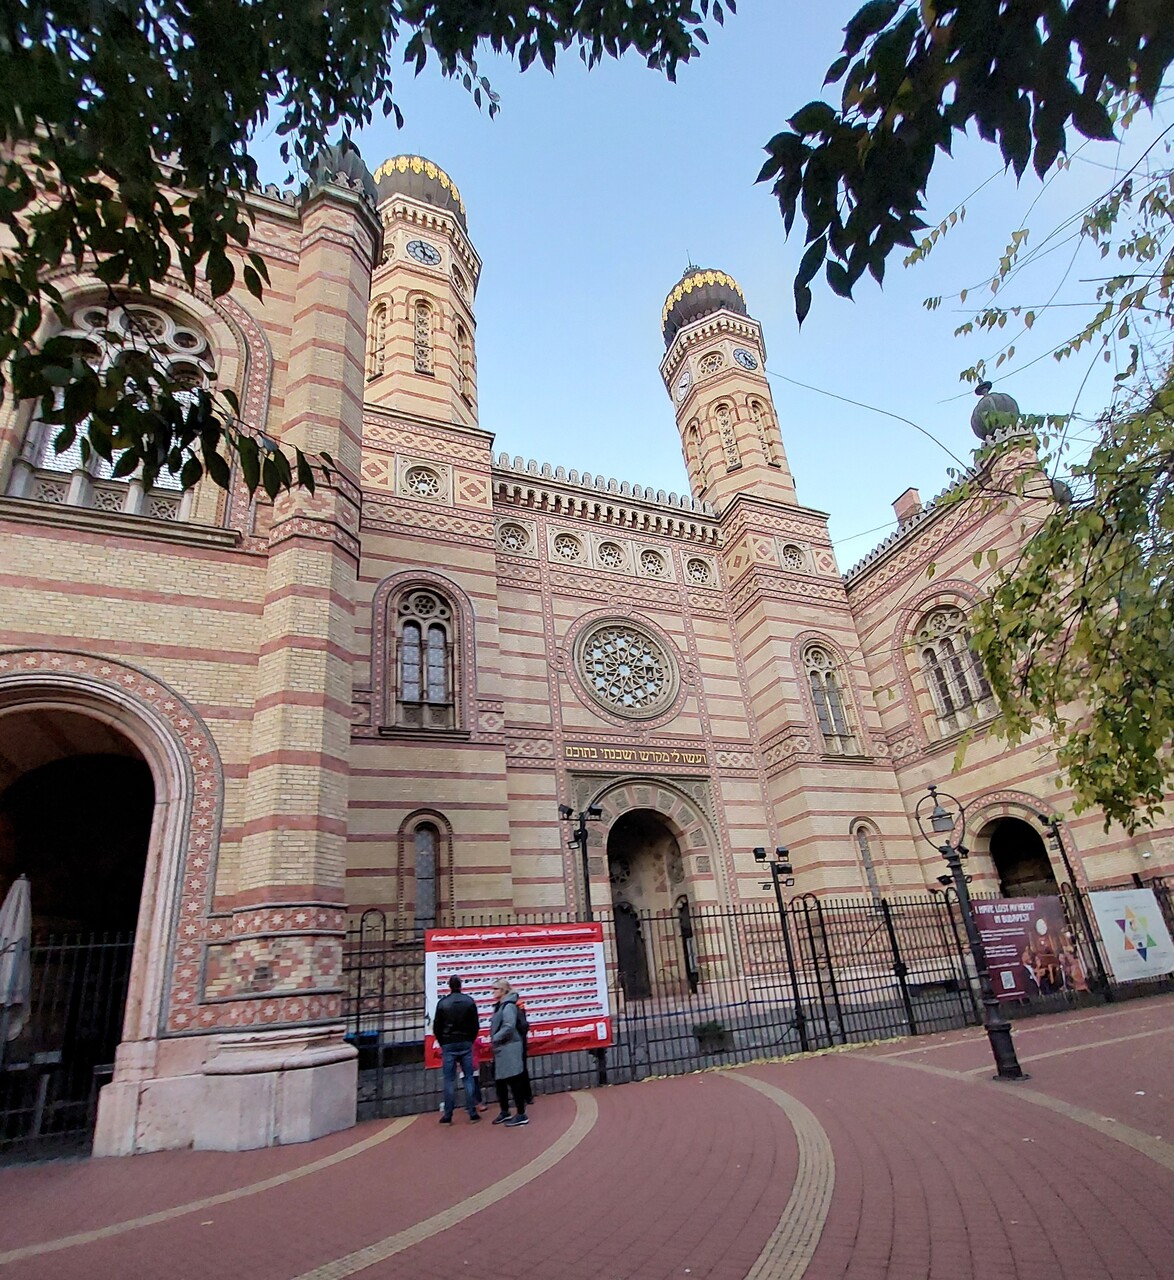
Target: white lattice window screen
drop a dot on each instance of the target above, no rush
(464, 363)
(567, 546)
(426, 842)
(610, 555)
(865, 839)
(106, 334)
(952, 670)
(724, 416)
(764, 424)
(426, 635)
(698, 571)
(827, 696)
(422, 320)
(377, 341)
(653, 564)
(793, 557)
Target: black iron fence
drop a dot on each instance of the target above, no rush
(57, 1043)
(710, 985)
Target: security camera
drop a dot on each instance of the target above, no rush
(565, 812)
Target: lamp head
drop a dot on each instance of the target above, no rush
(566, 812)
(940, 818)
(594, 812)
(760, 854)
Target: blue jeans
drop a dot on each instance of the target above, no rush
(450, 1054)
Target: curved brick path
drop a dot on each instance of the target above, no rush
(901, 1160)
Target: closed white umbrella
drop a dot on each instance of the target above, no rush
(16, 930)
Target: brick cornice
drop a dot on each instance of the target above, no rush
(26, 511)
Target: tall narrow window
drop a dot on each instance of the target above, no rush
(426, 631)
(422, 315)
(865, 838)
(952, 670)
(377, 342)
(765, 426)
(464, 363)
(830, 711)
(724, 416)
(427, 845)
(693, 455)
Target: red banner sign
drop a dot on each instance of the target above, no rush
(557, 970)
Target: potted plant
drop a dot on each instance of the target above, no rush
(712, 1036)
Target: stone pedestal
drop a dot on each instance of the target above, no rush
(255, 1089)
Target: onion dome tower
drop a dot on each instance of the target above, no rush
(421, 354)
(713, 370)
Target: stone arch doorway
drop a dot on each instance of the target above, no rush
(646, 872)
(77, 802)
(1021, 859)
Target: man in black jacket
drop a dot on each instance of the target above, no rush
(455, 1026)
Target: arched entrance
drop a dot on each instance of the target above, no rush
(1021, 859)
(77, 802)
(647, 875)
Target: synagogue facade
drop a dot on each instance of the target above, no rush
(228, 724)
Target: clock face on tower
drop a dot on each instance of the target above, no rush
(745, 359)
(423, 252)
(684, 384)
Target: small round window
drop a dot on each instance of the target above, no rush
(513, 537)
(699, 572)
(423, 482)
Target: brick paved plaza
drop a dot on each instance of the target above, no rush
(899, 1160)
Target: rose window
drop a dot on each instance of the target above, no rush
(711, 363)
(423, 482)
(653, 564)
(625, 669)
(793, 557)
(567, 546)
(698, 571)
(513, 537)
(610, 555)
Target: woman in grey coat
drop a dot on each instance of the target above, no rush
(507, 1055)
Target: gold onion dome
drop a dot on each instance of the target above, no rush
(698, 292)
(420, 179)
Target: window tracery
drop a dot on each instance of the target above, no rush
(867, 841)
(952, 670)
(422, 345)
(513, 537)
(831, 713)
(423, 482)
(425, 642)
(653, 564)
(567, 547)
(625, 669)
(104, 336)
(711, 363)
(698, 571)
(793, 557)
(611, 555)
(464, 363)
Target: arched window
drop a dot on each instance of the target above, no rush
(105, 335)
(426, 841)
(425, 644)
(422, 322)
(827, 697)
(867, 840)
(464, 363)
(952, 670)
(724, 416)
(377, 341)
(764, 424)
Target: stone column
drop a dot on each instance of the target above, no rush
(296, 1078)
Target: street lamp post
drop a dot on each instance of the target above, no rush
(578, 841)
(782, 873)
(942, 823)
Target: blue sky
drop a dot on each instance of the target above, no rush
(590, 192)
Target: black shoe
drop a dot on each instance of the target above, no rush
(474, 1118)
(501, 1118)
(515, 1122)
(446, 1119)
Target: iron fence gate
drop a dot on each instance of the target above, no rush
(707, 985)
(57, 1050)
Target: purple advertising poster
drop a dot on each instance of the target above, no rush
(1029, 947)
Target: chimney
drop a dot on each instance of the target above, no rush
(907, 506)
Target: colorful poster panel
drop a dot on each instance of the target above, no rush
(1137, 942)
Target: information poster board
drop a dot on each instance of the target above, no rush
(557, 969)
(1029, 947)
(1137, 942)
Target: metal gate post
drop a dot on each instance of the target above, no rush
(900, 970)
(800, 1018)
